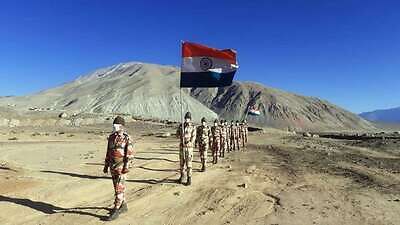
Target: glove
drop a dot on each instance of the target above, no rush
(105, 169)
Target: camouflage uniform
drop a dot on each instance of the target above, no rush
(246, 131)
(187, 142)
(228, 136)
(233, 136)
(224, 144)
(237, 136)
(203, 139)
(119, 158)
(241, 134)
(216, 141)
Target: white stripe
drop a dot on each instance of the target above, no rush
(192, 64)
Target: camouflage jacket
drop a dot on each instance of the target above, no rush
(203, 135)
(119, 152)
(223, 132)
(189, 135)
(234, 132)
(216, 133)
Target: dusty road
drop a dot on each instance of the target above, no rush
(54, 176)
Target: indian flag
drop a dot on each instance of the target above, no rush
(203, 66)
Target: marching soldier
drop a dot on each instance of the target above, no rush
(224, 144)
(203, 140)
(118, 159)
(216, 141)
(237, 135)
(233, 136)
(241, 134)
(187, 136)
(246, 130)
(228, 136)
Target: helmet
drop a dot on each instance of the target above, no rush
(203, 120)
(119, 120)
(188, 115)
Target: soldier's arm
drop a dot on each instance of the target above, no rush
(193, 138)
(129, 152)
(108, 152)
(178, 131)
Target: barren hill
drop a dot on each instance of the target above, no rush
(278, 108)
(152, 91)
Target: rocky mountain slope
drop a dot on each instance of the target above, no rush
(385, 115)
(152, 91)
(278, 108)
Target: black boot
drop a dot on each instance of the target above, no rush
(180, 180)
(189, 181)
(113, 215)
(123, 208)
(203, 168)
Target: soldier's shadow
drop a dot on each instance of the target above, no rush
(49, 209)
(148, 181)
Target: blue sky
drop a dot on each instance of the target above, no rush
(347, 52)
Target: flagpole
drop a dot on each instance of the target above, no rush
(180, 96)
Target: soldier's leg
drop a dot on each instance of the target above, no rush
(181, 163)
(119, 189)
(189, 158)
(202, 156)
(218, 149)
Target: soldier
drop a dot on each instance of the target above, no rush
(237, 135)
(228, 136)
(118, 158)
(242, 138)
(203, 140)
(246, 130)
(224, 145)
(187, 136)
(233, 136)
(216, 141)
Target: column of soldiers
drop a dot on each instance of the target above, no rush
(220, 138)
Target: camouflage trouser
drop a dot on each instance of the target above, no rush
(216, 147)
(224, 146)
(185, 158)
(203, 153)
(228, 145)
(236, 143)
(119, 188)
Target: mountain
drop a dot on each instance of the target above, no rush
(278, 108)
(384, 115)
(145, 90)
(152, 91)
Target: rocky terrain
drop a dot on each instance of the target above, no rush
(53, 175)
(151, 91)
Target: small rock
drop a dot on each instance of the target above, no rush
(251, 169)
(63, 115)
(244, 185)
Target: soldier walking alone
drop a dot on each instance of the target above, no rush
(216, 141)
(118, 159)
(203, 139)
(187, 136)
